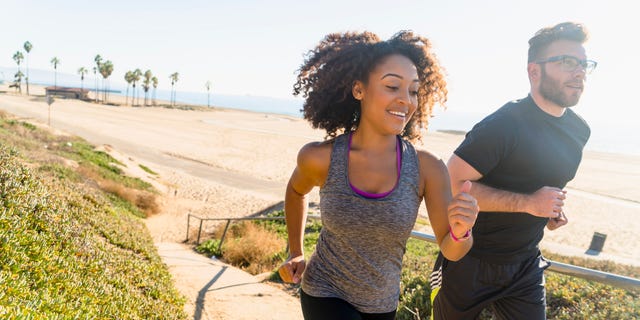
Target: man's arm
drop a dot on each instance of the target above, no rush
(546, 202)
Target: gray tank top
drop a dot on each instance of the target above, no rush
(358, 256)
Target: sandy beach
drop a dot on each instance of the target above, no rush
(228, 163)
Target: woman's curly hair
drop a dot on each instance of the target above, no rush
(327, 76)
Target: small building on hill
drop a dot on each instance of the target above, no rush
(68, 93)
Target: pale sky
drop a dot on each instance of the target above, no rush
(255, 47)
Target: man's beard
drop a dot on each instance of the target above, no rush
(551, 90)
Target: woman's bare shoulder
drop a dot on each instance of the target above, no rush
(315, 156)
(432, 168)
(429, 159)
(433, 173)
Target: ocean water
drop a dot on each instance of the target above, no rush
(620, 136)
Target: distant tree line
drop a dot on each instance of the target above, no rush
(105, 69)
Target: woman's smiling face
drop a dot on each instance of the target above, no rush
(390, 96)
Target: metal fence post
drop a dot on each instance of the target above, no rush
(223, 235)
(188, 220)
(199, 231)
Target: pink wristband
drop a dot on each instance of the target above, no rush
(465, 237)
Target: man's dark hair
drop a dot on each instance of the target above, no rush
(563, 31)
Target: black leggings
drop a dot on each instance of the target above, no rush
(314, 308)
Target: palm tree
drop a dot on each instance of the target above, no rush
(154, 81)
(18, 81)
(55, 62)
(128, 77)
(82, 71)
(146, 84)
(27, 47)
(95, 75)
(96, 69)
(18, 57)
(208, 86)
(174, 79)
(137, 74)
(106, 69)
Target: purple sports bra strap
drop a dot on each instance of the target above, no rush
(398, 168)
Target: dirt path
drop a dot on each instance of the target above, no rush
(215, 290)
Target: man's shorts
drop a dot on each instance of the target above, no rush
(462, 289)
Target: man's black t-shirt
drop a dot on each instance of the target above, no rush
(520, 148)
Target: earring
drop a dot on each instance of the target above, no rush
(356, 116)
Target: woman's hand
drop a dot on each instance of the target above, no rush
(292, 269)
(462, 211)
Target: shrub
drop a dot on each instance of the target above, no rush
(60, 172)
(311, 231)
(144, 201)
(252, 248)
(67, 254)
(210, 248)
(146, 169)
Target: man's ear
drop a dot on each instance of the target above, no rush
(533, 69)
(358, 90)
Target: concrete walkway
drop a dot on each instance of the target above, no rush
(221, 291)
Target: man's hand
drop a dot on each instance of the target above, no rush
(559, 221)
(547, 202)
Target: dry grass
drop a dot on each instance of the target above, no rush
(42, 147)
(252, 247)
(146, 201)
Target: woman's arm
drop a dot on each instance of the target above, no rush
(311, 170)
(450, 216)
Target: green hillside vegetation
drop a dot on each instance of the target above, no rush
(73, 244)
(567, 297)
